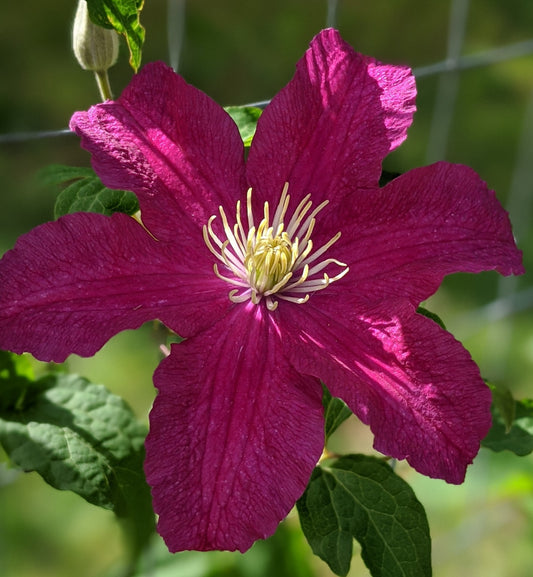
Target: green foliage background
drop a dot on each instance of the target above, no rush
(239, 53)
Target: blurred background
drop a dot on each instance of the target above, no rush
(474, 66)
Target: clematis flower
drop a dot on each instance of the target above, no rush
(287, 269)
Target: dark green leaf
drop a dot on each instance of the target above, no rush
(245, 117)
(519, 437)
(387, 176)
(80, 437)
(335, 412)
(17, 387)
(430, 315)
(504, 403)
(361, 497)
(60, 174)
(90, 195)
(86, 193)
(124, 17)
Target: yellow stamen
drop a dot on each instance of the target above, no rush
(271, 261)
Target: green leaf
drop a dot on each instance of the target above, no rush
(430, 315)
(335, 412)
(86, 193)
(361, 497)
(245, 117)
(80, 437)
(90, 195)
(518, 438)
(387, 176)
(504, 403)
(124, 17)
(12, 366)
(60, 173)
(17, 387)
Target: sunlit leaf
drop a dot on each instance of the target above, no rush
(12, 365)
(245, 117)
(124, 17)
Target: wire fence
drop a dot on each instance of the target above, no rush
(446, 69)
(509, 299)
(443, 68)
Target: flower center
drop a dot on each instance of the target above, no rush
(272, 261)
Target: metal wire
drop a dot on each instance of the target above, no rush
(37, 135)
(175, 31)
(486, 58)
(509, 301)
(448, 84)
(331, 18)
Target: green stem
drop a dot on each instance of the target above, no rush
(102, 79)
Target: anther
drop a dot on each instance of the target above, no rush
(271, 260)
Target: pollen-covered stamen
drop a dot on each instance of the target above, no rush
(272, 259)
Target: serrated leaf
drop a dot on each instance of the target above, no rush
(124, 17)
(431, 315)
(80, 437)
(86, 193)
(335, 412)
(90, 195)
(519, 437)
(245, 117)
(361, 497)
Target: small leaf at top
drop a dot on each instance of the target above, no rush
(519, 437)
(124, 17)
(335, 412)
(86, 193)
(361, 497)
(245, 117)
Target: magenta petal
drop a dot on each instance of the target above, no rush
(69, 285)
(400, 241)
(170, 144)
(410, 380)
(234, 435)
(327, 132)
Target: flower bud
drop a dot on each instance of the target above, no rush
(95, 48)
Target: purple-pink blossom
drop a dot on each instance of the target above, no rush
(280, 271)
